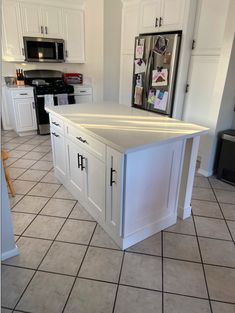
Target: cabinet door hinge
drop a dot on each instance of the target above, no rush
(193, 44)
(186, 88)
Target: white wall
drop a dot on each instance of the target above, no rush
(93, 49)
(112, 46)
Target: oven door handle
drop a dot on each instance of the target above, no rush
(56, 95)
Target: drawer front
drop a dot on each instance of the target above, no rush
(57, 123)
(82, 91)
(22, 93)
(92, 145)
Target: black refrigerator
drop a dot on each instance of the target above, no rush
(154, 71)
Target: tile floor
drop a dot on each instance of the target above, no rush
(67, 263)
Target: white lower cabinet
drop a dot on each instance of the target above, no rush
(58, 150)
(25, 114)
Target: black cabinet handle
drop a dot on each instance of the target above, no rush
(156, 22)
(160, 21)
(79, 160)
(56, 124)
(82, 165)
(111, 176)
(82, 140)
(54, 134)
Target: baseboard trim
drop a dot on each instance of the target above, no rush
(184, 213)
(205, 173)
(10, 253)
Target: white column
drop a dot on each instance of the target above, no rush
(188, 172)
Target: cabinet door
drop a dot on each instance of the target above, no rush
(95, 185)
(75, 173)
(149, 15)
(31, 17)
(58, 149)
(52, 22)
(172, 14)
(12, 43)
(114, 178)
(74, 35)
(25, 115)
(209, 26)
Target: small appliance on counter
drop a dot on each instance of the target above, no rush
(73, 78)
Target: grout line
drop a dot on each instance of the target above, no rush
(203, 268)
(76, 277)
(119, 279)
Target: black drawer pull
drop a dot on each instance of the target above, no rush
(24, 94)
(82, 165)
(79, 160)
(56, 124)
(82, 140)
(111, 176)
(54, 134)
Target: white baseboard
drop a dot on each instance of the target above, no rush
(9, 254)
(184, 213)
(205, 173)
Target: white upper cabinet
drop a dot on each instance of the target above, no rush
(41, 21)
(12, 41)
(161, 15)
(209, 27)
(74, 35)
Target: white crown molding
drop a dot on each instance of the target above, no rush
(75, 4)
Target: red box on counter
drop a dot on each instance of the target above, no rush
(73, 78)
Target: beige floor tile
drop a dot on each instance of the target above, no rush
(200, 181)
(30, 204)
(22, 163)
(11, 161)
(16, 154)
(22, 187)
(76, 231)
(47, 157)
(80, 213)
(228, 210)
(102, 239)
(47, 293)
(91, 297)
(183, 227)
(131, 299)
(181, 247)
(64, 258)
(45, 227)
(214, 228)
(102, 264)
(203, 194)
(63, 193)
(181, 304)
(33, 155)
(6, 310)
(217, 252)
(16, 172)
(14, 200)
(25, 147)
(206, 208)
(42, 148)
(225, 196)
(33, 175)
(10, 146)
(151, 245)
(184, 278)
(58, 207)
(221, 282)
(44, 190)
(14, 280)
(142, 271)
(42, 165)
(21, 221)
(50, 178)
(218, 307)
(218, 184)
(32, 251)
(231, 226)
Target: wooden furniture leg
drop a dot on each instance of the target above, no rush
(7, 173)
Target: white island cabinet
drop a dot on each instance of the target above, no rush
(132, 170)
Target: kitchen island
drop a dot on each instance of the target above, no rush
(132, 170)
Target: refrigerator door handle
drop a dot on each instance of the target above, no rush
(147, 77)
(156, 22)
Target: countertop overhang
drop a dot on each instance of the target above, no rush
(124, 128)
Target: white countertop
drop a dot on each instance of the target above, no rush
(124, 128)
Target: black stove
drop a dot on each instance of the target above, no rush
(47, 82)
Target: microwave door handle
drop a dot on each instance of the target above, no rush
(56, 51)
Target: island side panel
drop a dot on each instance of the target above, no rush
(188, 172)
(152, 181)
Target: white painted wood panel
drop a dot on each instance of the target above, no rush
(149, 11)
(172, 13)
(58, 151)
(126, 79)
(31, 17)
(130, 17)
(52, 22)
(25, 115)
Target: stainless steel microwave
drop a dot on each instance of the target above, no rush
(43, 49)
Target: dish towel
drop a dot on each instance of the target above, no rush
(62, 99)
(48, 100)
